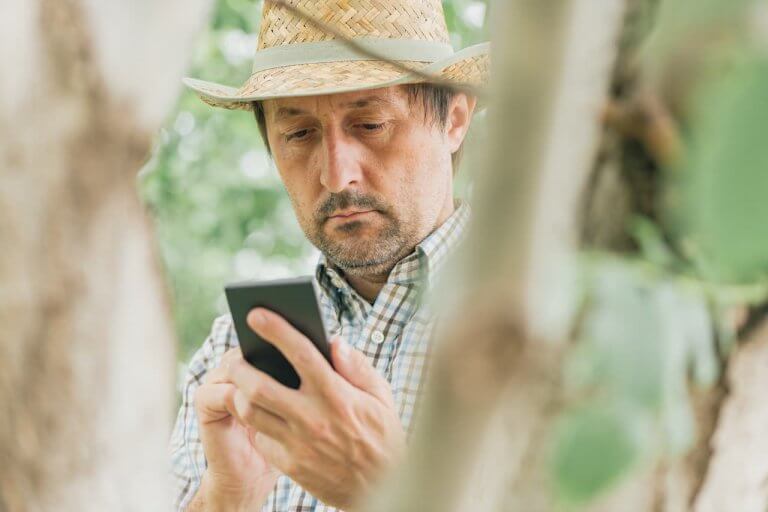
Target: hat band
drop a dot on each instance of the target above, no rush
(339, 51)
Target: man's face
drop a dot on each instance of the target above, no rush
(368, 174)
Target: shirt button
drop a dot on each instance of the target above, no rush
(377, 337)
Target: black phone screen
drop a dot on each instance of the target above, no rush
(295, 300)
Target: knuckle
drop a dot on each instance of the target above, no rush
(236, 369)
(291, 467)
(338, 401)
(255, 393)
(318, 429)
(238, 363)
(250, 415)
(331, 389)
(290, 463)
(327, 392)
(209, 376)
(300, 459)
(229, 355)
(222, 370)
(202, 399)
(303, 358)
(347, 413)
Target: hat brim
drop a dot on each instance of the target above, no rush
(470, 66)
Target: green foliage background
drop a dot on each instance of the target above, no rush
(221, 212)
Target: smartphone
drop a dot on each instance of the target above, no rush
(296, 300)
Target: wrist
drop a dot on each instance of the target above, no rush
(223, 497)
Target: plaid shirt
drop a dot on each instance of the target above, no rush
(393, 333)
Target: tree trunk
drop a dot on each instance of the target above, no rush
(87, 354)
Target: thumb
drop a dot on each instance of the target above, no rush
(357, 370)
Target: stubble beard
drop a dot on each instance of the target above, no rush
(375, 255)
(371, 254)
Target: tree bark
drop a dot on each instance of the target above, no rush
(736, 476)
(86, 355)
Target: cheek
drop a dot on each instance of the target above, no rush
(299, 170)
(407, 157)
(429, 179)
(299, 190)
(426, 166)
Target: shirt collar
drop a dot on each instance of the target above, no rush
(431, 253)
(424, 262)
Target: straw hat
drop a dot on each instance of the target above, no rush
(296, 56)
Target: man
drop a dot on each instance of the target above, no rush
(366, 155)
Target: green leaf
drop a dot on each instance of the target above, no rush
(676, 22)
(651, 241)
(594, 447)
(644, 340)
(726, 178)
(622, 334)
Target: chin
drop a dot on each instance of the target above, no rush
(363, 247)
(366, 268)
(364, 256)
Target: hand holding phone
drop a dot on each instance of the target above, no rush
(296, 300)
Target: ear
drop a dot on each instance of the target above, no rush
(459, 117)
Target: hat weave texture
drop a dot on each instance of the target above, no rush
(409, 19)
(413, 22)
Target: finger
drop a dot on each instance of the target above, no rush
(300, 352)
(260, 419)
(214, 402)
(264, 391)
(274, 452)
(358, 371)
(232, 353)
(219, 373)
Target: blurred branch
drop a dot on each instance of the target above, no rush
(492, 358)
(374, 55)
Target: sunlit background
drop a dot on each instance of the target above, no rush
(220, 209)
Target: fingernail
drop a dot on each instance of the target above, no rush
(257, 317)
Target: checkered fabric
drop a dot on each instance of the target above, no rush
(393, 333)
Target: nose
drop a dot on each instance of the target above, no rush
(340, 163)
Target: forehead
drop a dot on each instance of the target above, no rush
(394, 97)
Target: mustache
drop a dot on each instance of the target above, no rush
(346, 199)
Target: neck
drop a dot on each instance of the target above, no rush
(369, 286)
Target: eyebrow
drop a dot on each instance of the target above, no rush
(287, 112)
(368, 101)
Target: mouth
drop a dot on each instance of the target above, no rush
(350, 215)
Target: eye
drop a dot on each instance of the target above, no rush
(372, 127)
(298, 135)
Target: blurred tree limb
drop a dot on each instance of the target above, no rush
(87, 352)
(500, 355)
